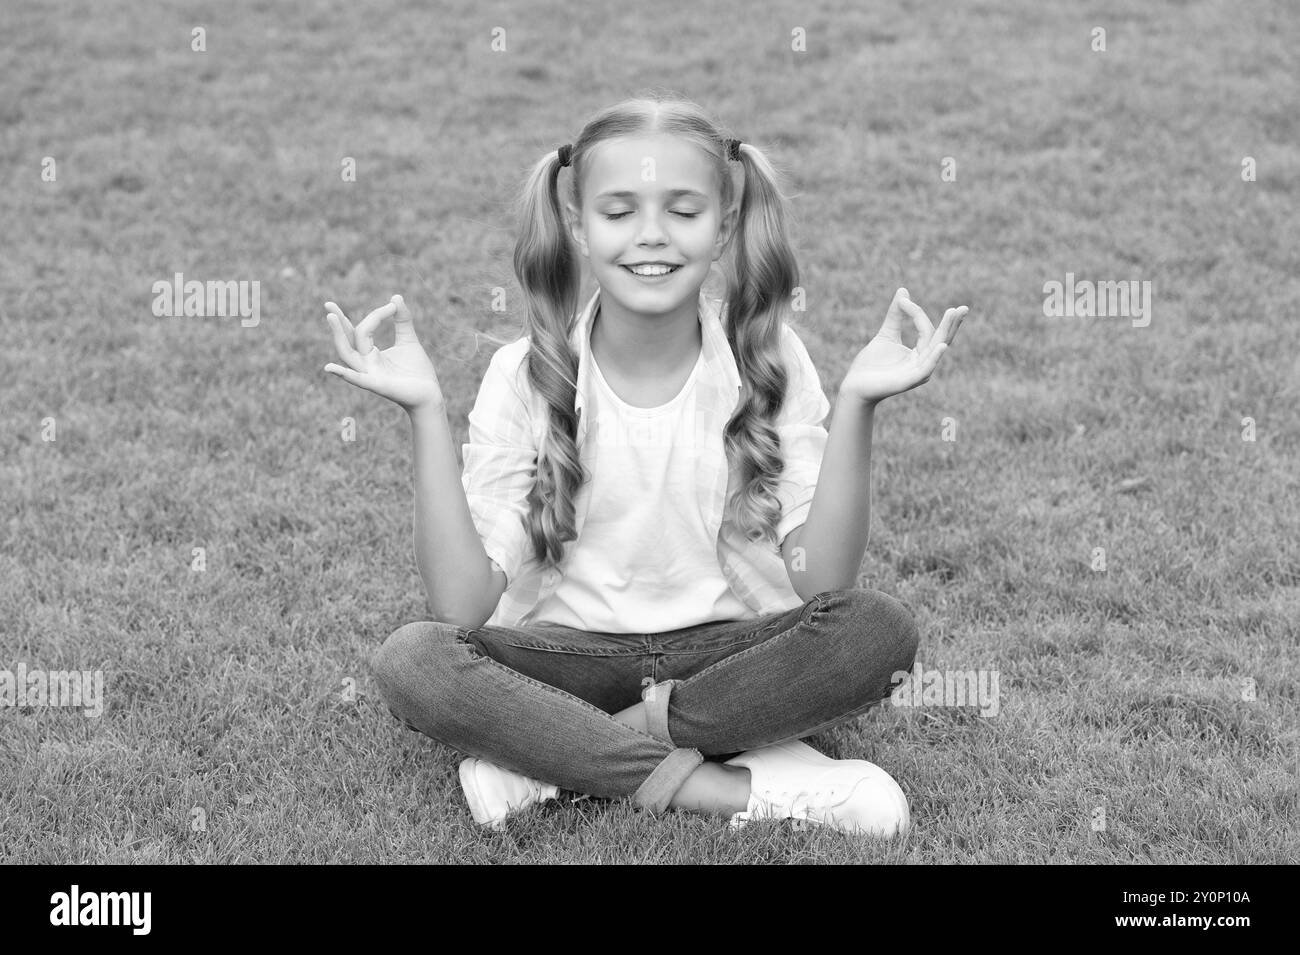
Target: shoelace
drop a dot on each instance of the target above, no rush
(782, 804)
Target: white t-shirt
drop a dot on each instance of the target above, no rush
(644, 562)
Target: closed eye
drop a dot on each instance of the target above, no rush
(619, 215)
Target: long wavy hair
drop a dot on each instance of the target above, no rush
(760, 274)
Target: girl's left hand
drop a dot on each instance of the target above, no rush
(888, 367)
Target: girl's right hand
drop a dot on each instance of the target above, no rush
(402, 373)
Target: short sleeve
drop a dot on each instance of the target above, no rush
(500, 461)
(803, 435)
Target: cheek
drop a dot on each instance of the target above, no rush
(603, 244)
(700, 246)
(703, 239)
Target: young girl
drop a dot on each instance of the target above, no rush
(649, 563)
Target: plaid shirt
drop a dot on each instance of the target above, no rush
(508, 421)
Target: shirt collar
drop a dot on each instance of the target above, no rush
(720, 371)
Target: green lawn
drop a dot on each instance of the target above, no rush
(226, 689)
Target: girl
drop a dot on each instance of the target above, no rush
(649, 563)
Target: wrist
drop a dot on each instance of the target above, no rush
(425, 410)
(857, 401)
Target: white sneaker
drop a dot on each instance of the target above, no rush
(494, 793)
(792, 780)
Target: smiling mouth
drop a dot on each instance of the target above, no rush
(652, 271)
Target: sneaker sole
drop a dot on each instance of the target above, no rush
(473, 796)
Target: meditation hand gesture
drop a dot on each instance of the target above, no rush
(402, 373)
(887, 366)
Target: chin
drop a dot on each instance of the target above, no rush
(655, 300)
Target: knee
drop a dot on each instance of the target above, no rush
(907, 633)
(890, 622)
(407, 652)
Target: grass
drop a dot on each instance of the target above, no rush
(226, 688)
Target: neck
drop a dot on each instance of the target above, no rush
(646, 346)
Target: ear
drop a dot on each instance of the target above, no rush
(726, 230)
(575, 226)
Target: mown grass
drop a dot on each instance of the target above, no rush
(225, 689)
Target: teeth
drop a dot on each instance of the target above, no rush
(650, 269)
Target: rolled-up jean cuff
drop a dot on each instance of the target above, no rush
(655, 697)
(662, 784)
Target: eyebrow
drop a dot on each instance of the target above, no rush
(671, 193)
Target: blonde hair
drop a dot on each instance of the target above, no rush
(760, 273)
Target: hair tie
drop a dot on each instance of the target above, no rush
(566, 154)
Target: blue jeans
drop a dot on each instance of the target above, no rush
(538, 699)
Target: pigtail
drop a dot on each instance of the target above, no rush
(761, 274)
(549, 272)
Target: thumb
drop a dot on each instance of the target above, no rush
(897, 303)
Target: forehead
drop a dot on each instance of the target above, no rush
(621, 165)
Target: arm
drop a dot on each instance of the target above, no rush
(461, 585)
(825, 552)
(832, 541)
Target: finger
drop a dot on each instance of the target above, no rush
(895, 309)
(344, 321)
(948, 327)
(341, 343)
(367, 326)
(892, 327)
(347, 374)
(956, 323)
(924, 330)
(403, 325)
(932, 360)
(941, 333)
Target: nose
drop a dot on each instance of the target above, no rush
(651, 231)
